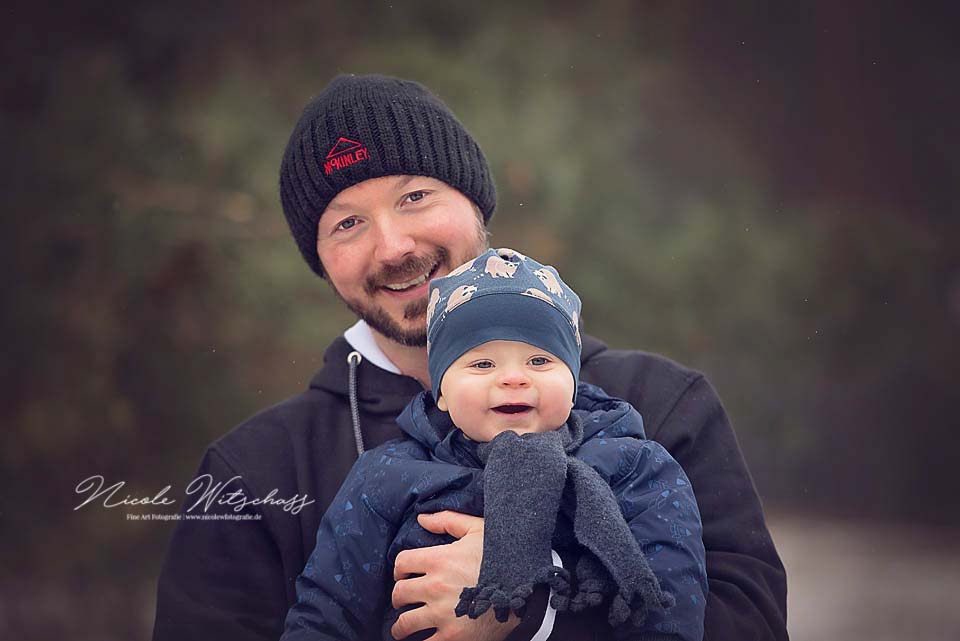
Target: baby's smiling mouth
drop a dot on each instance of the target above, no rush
(511, 408)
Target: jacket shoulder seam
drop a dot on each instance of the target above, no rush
(681, 393)
(230, 463)
(690, 377)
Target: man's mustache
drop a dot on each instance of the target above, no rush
(412, 266)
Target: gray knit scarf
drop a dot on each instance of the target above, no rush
(529, 481)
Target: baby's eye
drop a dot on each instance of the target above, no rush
(483, 364)
(536, 361)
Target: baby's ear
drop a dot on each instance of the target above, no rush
(442, 404)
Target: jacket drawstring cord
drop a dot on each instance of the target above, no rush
(354, 359)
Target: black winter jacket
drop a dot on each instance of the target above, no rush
(228, 579)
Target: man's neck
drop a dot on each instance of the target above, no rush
(411, 361)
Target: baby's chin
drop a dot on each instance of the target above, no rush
(488, 436)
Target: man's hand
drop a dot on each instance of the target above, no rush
(445, 570)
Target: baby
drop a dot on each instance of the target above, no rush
(509, 433)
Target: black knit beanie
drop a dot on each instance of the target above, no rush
(364, 127)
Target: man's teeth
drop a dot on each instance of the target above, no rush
(410, 283)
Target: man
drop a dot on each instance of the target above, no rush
(383, 190)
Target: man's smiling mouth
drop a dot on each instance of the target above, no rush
(413, 282)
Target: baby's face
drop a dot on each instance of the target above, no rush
(506, 385)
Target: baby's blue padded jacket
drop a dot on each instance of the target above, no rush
(344, 590)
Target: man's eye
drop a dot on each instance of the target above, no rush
(539, 360)
(416, 196)
(349, 223)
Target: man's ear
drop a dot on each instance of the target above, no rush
(442, 404)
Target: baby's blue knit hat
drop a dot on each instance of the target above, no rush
(501, 295)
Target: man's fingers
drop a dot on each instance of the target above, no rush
(414, 562)
(412, 621)
(455, 524)
(420, 589)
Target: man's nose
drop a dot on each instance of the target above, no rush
(394, 241)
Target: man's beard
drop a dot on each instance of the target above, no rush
(380, 321)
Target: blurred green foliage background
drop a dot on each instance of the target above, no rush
(765, 192)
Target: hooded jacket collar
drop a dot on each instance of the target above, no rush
(378, 390)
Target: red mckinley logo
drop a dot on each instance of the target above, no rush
(343, 154)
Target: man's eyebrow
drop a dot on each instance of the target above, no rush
(338, 206)
(402, 181)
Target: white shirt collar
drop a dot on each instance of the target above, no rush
(360, 337)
